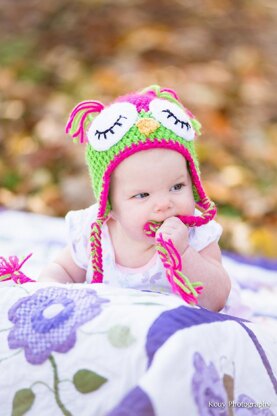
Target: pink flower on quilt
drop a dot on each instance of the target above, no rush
(47, 320)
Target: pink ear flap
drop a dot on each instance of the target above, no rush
(80, 119)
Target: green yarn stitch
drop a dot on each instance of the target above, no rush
(196, 125)
(164, 94)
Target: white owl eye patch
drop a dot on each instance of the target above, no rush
(111, 125)
(173, 117)
(177, 121)
(104, 133)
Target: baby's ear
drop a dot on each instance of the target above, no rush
(80, 119)
(112, 215)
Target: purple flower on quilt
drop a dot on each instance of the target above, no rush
(208, 390)
(47, 320)
(151, 279)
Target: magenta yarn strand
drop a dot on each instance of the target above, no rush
(172, 262)
(96, 250)
(88, 107)
(10, 270)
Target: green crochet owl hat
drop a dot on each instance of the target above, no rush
(148, 119)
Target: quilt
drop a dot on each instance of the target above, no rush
(93, 350)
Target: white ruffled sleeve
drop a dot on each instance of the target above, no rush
(201, 237)
(78, 225)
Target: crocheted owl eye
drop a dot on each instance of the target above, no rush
(111, 125)
(172, 117)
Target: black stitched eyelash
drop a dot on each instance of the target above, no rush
(183, 123)
(110, 130)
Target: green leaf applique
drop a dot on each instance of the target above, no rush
(120, 336)
(87, 381)
(22, 402)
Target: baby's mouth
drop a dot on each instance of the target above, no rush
(161, 217)
(151, 227)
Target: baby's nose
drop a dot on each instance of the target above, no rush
(162, 205)
(147, 125)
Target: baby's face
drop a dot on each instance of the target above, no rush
(151, 185)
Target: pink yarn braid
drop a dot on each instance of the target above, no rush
(10, 270)
(96, 250)
(172, 263)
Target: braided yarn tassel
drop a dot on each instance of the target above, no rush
(96, 250)
(172, 262)
(10, 270)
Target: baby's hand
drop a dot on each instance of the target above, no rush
(177, 232)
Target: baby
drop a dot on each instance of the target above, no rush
(145, 231)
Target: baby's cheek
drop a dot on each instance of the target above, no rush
(135, 227)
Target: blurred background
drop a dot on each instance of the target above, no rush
(219, 55)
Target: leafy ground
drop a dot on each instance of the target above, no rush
(218, 54)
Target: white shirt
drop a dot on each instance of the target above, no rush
(151, 276)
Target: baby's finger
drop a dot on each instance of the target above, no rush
(166, 229)
(173, 221)
(172, 225)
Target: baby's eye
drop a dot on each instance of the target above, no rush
(177, 187)
(173, 117)
(111, 125)
(141, 195)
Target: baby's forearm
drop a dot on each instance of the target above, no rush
(211, 273)
(54, 272)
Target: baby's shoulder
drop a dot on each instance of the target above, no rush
(201, 237)
(81, 219)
